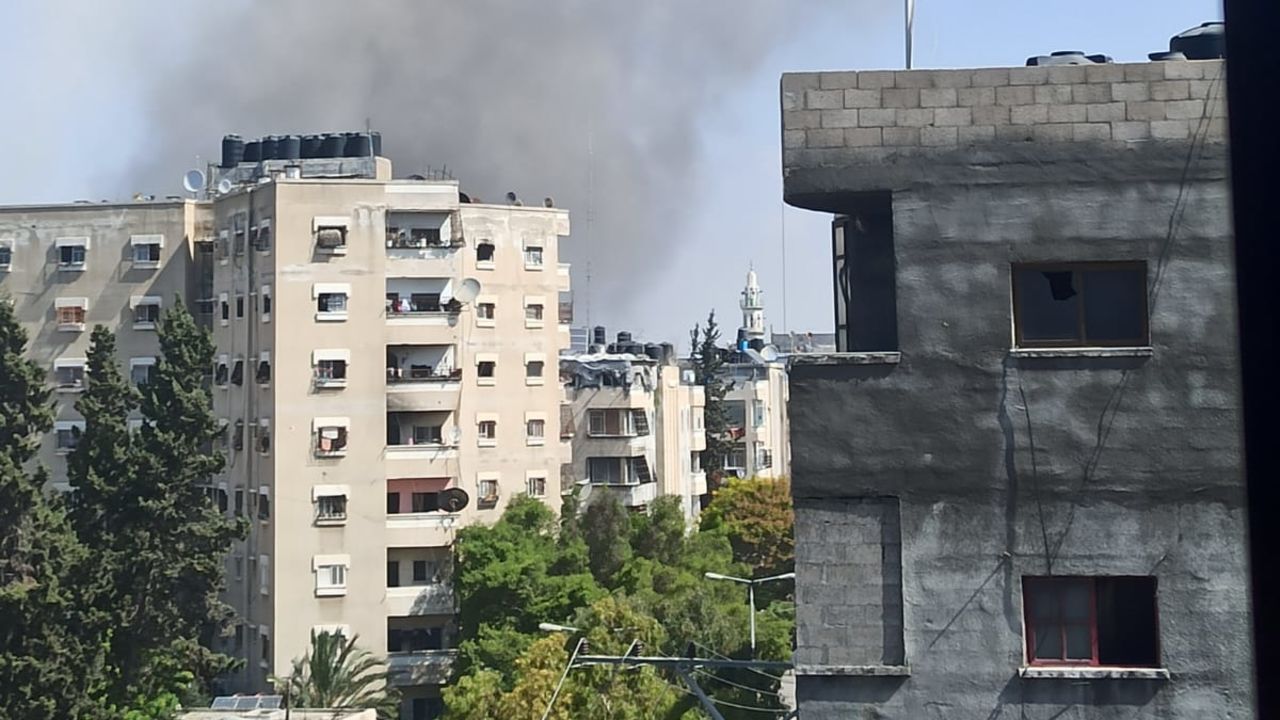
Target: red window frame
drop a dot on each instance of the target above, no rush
(1029, 619)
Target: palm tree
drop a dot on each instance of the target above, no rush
(334, 673)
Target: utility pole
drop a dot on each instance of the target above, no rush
(684, 668)
(751, 594)
(911, 18)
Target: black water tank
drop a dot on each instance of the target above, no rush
(668, 351)
(331, 146)
(377, 142)
(252, 151)
(653, 350)
(1165, 55)
(756, 344)
(232, 150)
(624, 337)
(611, 349)
(289, 147)
(1060, 57)
(311, 146)
(1207, 42)
(357, 145)
(598, 336)
(270, 147)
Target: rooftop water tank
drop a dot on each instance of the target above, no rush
(311, 146)
(331, 145)
(253, 151)
(232, 150)
(654, 351)
(377, 143)
(357, 145)
(289, 147)
(270, 147)
(624, 337)
(598, 335)
(1067, 57)
(1206, 42)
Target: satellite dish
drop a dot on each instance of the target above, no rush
(467, 291)
(224, 186)
(769, 353)
(454, 499)
(193, 181)
(511, 198)
(548, 202)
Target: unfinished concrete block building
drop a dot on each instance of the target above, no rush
(1018, 485)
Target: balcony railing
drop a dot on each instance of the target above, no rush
(397, 375)
(422, 667)
(429, 599)
(420, 241)
(408, 309)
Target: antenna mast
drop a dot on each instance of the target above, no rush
(911, 18)
(591, 177)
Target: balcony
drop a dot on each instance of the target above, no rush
(631, 496)
(426, 529)
(430, 599)
(422, 667)
(424, 394)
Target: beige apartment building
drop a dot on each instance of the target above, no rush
(70, 267)
(756, 400)
(634, 419)
(385, 372)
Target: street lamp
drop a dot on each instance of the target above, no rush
(751, 594)
(552, 627)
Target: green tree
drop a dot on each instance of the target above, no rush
(50, 663)
(708, 371)
(659, 534)
(605, 528)
(336, 673)
(756, 515)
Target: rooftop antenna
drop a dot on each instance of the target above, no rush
(591, 176)
(911, 18)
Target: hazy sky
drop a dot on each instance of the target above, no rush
(88, 84)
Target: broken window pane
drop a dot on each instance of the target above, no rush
(1048, 305)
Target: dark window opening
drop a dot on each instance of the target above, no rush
(484, 252)
(393, 573)
(393, 503)
(263, 375)
(1080, 304)
(237, 438)
(419, 571)
(237, 372)
(239, 306)
(425, 502)
(486, 368)
(1092, 621)
(865, 276)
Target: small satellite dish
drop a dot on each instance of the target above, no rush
(193, 181)
(548, 202)
(467, 291)
(769, 353)
(224, 186)
(511, 198)
(454, 499)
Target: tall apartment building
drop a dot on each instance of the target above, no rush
(1017, 484)
(70, 267)
(385, 371)
(633, 419)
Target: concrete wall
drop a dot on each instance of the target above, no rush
(1003, 465)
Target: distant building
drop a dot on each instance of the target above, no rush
(1018, 483)
(633, 420)
(803, 342)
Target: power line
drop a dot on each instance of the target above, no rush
(726, 657)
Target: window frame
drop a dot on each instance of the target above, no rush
(1077, 268)
(1029, 624)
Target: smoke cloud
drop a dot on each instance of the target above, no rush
(596, 104)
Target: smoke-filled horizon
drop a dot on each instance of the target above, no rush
(595, 104)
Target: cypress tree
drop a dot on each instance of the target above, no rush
(708, 371)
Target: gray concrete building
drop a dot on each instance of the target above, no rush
(1017, 482)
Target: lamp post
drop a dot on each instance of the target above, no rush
(751, 594)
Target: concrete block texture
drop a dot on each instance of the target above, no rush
(998, 466)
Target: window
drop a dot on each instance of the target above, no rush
(239, 305)
(221, 371)
(695, 462)
(393, 573)
(757, 414)
(237, 371)
(331, 373)
(331, 306)
(146, 312)
(261, 238)
(146, 250)
(264, 504)
(426, 708)
(533, 371)
(605, 471)
(331, 575)
(488, 432)
(331, 507)
(239, 510)
(264, 435)
(420, 571)
(393, 503)
(533, 256)
(485, 310)
(537, 486)
(264, 639)
(535, 431)
(533, 313)
(266, 303)
(484, 253)
(264, 574)
(488, 490)
(223, 246)
(67, 434)
(486, 369)
(72, 253)
(263, 373)
(736, 460)
(331, 235)
(71, 313)
(237, 571)
(617, 422)
(428, 435)
(238, 241)
(6, 254)
(142, 370)
(1092, 621)
(69, 375)
(237, 436)
(1080, 304)
(331, 436)
(421, 502)
(764, 458)
(224, 305)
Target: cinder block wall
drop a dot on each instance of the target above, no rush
(941, 108)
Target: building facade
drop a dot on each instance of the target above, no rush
(385, 373)
(1018, 486)
(635, 427)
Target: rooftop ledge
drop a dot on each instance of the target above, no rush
(1083, 352)
(853, 670)
(1041, 672)
(847, 358)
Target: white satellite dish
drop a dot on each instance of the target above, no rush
(769, 353)
(467, 291)
(224, 186)
(193, 181)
